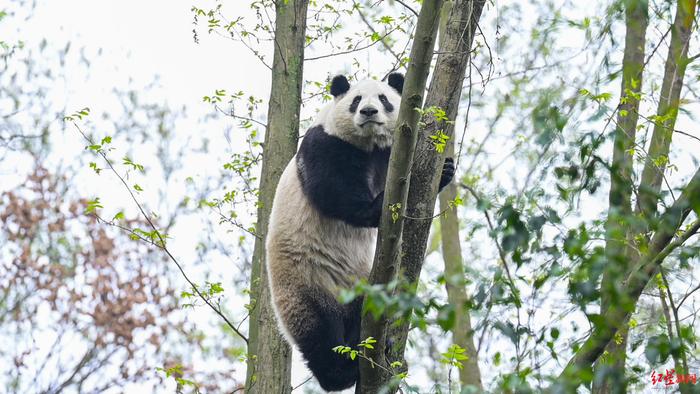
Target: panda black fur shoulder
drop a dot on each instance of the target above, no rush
(323, 227)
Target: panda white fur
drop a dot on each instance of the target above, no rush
(323, 226)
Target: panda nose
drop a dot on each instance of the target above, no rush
(369, 111)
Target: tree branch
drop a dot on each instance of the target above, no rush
(680, 360)
(661, 245)
(159, 239)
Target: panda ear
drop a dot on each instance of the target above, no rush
(395, 80)
(339, 85)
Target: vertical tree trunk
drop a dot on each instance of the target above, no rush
(664, 241)
(667, 111)
(621, 258)
(444, 93)
(462, 333)
(615, 298)
(269, 354)
(385, 266)
(611, 372)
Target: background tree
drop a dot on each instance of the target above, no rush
(269, 354)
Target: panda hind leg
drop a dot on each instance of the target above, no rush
(320, 324)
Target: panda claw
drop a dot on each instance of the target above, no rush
(448, 172)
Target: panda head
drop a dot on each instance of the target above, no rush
(365, 114)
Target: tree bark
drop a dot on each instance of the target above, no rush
(462, 332)
(660, 246)
(621, 184)
(269, 354)
(667, 111)
(444, 93)
(621, 258)
(385, 266)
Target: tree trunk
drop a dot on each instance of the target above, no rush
(444, 93)
(667, 111)
(269, 354)
(611, 378)
(462, 332)
(385, 266)
(611, 372)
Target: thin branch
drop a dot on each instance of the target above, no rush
(161, 241)
(685, 297)
(684, 358)
(232, 114)
(686, 134)
(407, 7)
(501, 252)
(357, 48)
(369, 25)
(235, 223)
(83, 361)
(302, 383)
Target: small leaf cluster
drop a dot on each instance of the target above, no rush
(77, 115)
(454, 356)
(176, 373)
(210, 291)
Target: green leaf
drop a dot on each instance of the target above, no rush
(127, 161)
(92, 206)
(658, 349)
(97, 170)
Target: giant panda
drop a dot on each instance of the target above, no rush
(323, 226)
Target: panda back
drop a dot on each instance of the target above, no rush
(304, 246)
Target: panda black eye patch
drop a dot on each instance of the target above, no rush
(385, 102)
(355, 103)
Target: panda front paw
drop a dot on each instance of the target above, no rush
(448, 172)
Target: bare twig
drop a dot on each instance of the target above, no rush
(408, 7)
(501, 252)
(688, 294)
(674, 309)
